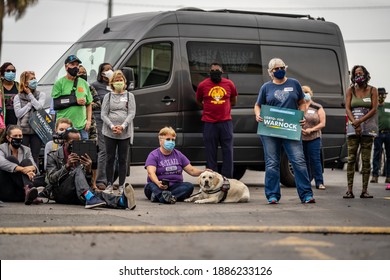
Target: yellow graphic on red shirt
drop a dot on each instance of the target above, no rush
(217, 93)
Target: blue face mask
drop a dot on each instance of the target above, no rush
(9, 76)
(169, 145)
(307, 97)
(279, 74)
(33, 84)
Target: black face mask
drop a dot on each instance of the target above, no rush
(84, 77)
(216, 76)
(16, 142)
(73, 71)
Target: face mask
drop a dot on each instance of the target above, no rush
(216, 76)
(118, 86)
(9, 76)
(33, 84)
(16, 142)
(108, 74)
(307, 97)
(84, 77)
(279, 74)
(360, 80)
(169, 145)
(73, 71)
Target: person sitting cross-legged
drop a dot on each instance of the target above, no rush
(70, 176)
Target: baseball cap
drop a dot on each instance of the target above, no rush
(71, 59)
(382, 91)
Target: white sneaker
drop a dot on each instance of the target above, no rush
(109, 189)
(120, 189)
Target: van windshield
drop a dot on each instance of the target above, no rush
(92, 54)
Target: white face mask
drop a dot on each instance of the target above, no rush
(108, 74)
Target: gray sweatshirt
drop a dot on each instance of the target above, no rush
(117, 110)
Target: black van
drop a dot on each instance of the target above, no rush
(170, 53)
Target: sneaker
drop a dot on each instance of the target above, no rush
(273, 200)
(387, 187)
(37, 201)
(129, 195)
(30, 195)
(94, 202)
(109, 189)
(310, 199)
(168, 197)
(321, 187)
(374, 179)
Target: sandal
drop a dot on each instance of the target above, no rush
(366, 195)
(348, 195)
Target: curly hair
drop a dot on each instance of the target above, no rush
(366, 75)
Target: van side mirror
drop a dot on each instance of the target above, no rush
(129, 74)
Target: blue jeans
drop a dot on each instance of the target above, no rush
(180, 190)
(294, 151)
(312, 151)
(382, 138)
(214, 134)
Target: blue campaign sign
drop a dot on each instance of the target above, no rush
(280, 122)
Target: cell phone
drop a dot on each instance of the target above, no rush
(165, 182)
(82, 147)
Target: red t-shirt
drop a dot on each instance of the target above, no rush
(216, 99)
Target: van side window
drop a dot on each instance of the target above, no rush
(318, 68)
(241, 63)
(152, 64)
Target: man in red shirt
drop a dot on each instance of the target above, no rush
(217, 95)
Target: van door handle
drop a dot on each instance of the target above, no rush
(167, 99)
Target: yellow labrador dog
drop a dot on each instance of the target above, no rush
(214, 189)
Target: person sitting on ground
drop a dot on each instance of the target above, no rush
(17, 169)
(70, 176)
(165, 166)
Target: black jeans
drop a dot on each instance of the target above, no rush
(71, 190)
(122, 147)
(12, 184)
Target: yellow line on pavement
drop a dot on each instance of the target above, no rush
(194, 229)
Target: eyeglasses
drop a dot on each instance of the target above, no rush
(279, 68)
(10, 70)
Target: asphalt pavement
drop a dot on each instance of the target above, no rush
(332, 228)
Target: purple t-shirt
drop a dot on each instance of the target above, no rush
(168, 167)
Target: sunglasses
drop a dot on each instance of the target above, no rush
(10, 70)
(279, 68)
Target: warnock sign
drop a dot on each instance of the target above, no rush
(280, 122)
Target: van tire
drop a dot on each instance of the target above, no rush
(286, 172)
(239, 171)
